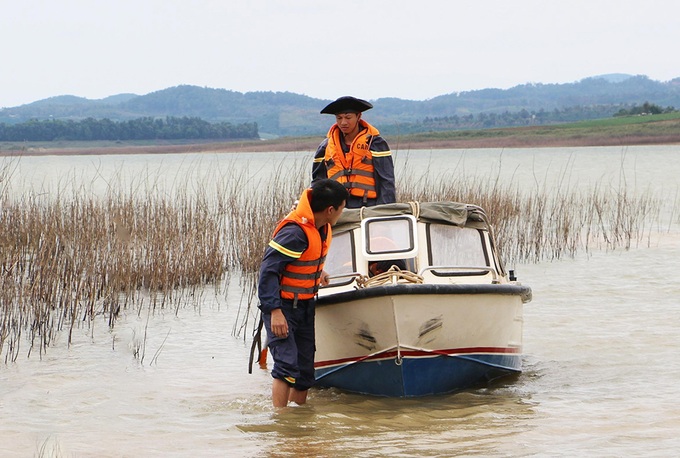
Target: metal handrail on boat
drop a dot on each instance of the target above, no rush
(459, 268)
(336, 277)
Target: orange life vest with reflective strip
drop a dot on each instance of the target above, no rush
(354, 169)
(301, 277)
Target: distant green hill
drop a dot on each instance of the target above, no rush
(289, 114)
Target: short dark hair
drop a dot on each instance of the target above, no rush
(326, 193)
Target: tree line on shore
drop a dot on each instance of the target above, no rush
(525, 117)
(645, 109)
(195, 128)
(145, 128)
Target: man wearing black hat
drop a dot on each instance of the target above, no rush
(354, 154)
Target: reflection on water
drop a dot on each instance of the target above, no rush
(341, 424)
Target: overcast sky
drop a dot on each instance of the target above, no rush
(368, 48)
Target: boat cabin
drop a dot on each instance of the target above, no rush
(432, 243)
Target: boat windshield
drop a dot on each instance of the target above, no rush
(456, 246)
(340, 259)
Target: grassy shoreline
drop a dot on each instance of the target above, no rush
(634, 130)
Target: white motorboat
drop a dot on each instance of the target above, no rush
(441, 315)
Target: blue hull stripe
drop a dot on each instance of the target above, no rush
(418, 376)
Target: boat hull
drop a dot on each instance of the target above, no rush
(417, 340)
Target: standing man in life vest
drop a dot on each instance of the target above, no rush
(290, 275)
(355, 155)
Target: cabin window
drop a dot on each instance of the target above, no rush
(340, 258)
(386, 237)
(454, 246)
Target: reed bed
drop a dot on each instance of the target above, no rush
(71, 260)
(546, 223)
(65, 263)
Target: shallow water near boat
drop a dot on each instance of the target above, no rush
(600, 379)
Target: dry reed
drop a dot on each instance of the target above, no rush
(69, 260)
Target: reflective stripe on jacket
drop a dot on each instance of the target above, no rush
(354, 169)
(301, 277)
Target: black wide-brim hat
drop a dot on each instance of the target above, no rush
(346, 104)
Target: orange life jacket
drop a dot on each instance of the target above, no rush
(354, 169)
(301, 278)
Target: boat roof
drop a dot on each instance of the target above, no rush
(452, 213)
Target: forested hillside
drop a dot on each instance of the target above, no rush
(274, 114)
(147, 128)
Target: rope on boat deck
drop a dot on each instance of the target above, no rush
(392, 275)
